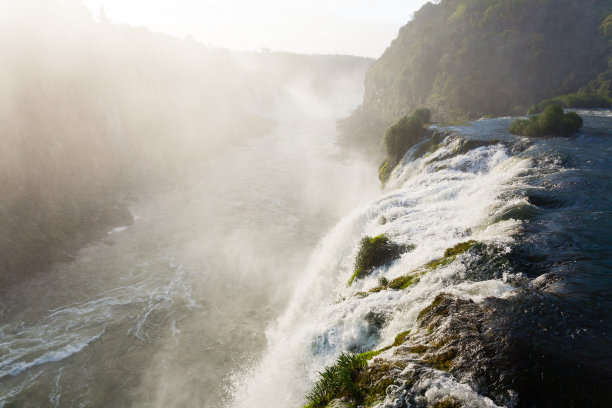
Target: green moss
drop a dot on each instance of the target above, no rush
(436, 302)
(356, 275)
(362, 294)
(399, 283)
(368, 355)
(443, 361)
(439, 262)
(384, 171)
(373, 253)
(401, 338)
(460, 248)
(420, 349)
(403, 282)
(374, 380)
(451, 253)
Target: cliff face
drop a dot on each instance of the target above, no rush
(468, 58)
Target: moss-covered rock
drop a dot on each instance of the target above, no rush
(434, 304)
(443, 361)
(399, 283)
(368, 355)
(451, 253)
(401, 338)
(352, 382)
(384, 171)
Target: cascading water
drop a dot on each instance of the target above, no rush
(507, 199)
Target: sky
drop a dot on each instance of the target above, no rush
(356, 27)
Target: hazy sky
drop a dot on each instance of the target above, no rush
(359, 27)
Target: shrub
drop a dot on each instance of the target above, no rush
(575, 100)
(404, 134)
(551, 122)
(337, 381)
(423, 114)
(374, 252)
(401, 136)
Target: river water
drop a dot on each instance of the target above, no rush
(164, 311)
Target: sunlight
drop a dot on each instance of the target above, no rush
(341, 27)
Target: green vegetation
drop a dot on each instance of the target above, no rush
(443, 361)
(465, 59)
(374, 380)
(374, 252)
(399, 283)
(602, 84)
(337, 381)
(451, 253)
(574, 100)
(368, 355)
(403, 282)
(400, 137)
(384, 171)
(401, 338)
(351, 378)
(435, 303)
(550, 122)
(419, 349)
(460, 248)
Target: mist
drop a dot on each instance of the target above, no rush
(160, 201)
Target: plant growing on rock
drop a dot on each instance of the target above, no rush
(551, 122)
(337, 381)
(374, 252)
(400, 137)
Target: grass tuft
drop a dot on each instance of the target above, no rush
(373, 253)
(337, 381)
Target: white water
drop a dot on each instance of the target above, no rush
(432, 205)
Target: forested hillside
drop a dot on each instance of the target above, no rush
(468, 58)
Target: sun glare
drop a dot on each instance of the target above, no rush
(341, 27)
